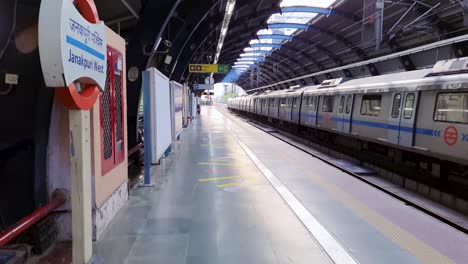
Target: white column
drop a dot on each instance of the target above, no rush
(80, 171)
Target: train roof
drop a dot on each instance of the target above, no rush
(403, 81)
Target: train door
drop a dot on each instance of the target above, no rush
(314, 110)
(296, 109)
(341, 112)
(293, 108)
(305, 110)
(407, 118)
(394, 120)
(299, 109)
(347, 113)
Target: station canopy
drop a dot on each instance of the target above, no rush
(268, 41)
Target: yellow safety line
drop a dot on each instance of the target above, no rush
(217, 179)
(228, 184)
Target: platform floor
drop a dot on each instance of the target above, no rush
(234, 194)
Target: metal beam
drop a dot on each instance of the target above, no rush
(191, 25)
(396, 55)
(244, 21)
(148, 30)
(130, 8)
(118, 20)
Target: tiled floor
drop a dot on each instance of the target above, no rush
(213, 205)
(236, 219)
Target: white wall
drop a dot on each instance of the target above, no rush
(161, 138)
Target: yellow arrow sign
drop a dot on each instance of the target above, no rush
(207, 68)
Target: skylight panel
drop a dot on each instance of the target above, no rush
(283, 28)
(291, 17)
(315, 3)
(266, 40)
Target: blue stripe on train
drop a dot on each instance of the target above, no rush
(422, 131)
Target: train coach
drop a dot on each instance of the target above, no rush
(421, 113)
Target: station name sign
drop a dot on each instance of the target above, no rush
(209, 68)
(71, 48)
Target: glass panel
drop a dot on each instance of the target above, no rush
(341, 104)
(283, 102)
(266, 41)
(371, 105)
(452, 107)
(315, 3)
(408, 112)
(396, 105)
(327, 104)
(349, 101)
(291, 17)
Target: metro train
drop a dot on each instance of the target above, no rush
(421, 113)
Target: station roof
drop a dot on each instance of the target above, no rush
(284, 38)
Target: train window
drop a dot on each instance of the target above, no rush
(316, 102)
(310, 102)
(396, 105)
(371, 105)
(341, 104)
(409, 104)
(452, 107)
(283, 102)
(349, 101)
(328, 104)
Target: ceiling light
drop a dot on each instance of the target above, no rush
(224, 27)
(248, 59)
(244, 63)
(230, 8)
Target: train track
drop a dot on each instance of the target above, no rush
(361, 175)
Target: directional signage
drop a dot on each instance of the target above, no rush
(209, 68)
(203, 87)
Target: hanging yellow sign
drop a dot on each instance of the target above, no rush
(208, 68)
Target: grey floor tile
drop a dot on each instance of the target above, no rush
(114, 251)
(166, 226)
(160, 245)
(183, 220)
(157, 260)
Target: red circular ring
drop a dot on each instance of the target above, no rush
(451, 135)
(69, 96)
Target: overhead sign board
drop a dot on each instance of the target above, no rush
(203, 87)
(209, 68)
(71, 48)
